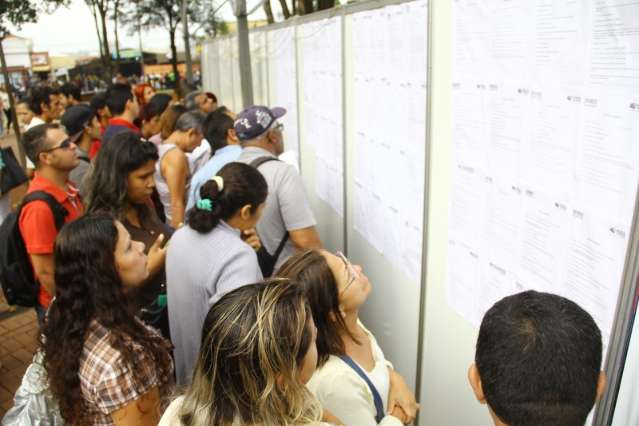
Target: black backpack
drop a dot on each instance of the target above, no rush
(266, 260)
(16, 273)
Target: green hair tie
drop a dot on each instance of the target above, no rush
(205, 204)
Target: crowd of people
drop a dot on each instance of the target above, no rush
(182, 281)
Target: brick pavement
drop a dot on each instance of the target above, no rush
(18, 331)
(18, 341)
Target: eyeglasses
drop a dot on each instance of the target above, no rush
(280, 127)
(65, 144)
(352, 273)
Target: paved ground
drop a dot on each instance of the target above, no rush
(18, 333)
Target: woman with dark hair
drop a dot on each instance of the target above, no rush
(353, 380)
(122, 184)
(104, 366)
(150, 115)
(208, 258)
(252, 369)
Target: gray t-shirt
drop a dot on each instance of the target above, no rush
(201, 268)
(77, 175)
(287, 207)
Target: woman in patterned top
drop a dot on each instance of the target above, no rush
(104, 366)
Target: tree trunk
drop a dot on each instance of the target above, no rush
(294, 7)
(324, 4)
(285, 10)
(115, 32)
(174, 61)
(108, 67)
(97, 30)
(305, 6)
(268, 11)
(14, 118)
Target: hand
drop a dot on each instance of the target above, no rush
(399, 414)
(251, 238)
(401, 396)
(156, 256)
(328, 417)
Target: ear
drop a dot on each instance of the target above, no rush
(232, 135)
(601, 385)
(246, 212)
(271, 137)
(475, 383)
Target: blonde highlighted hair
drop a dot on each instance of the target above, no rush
(253, 342)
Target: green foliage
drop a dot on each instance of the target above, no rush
(18, 12)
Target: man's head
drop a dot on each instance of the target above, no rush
(49, 147)
(219, 131)
(45, 103)
(208, 102)
(188, 130)
(70, 95)
(98, 103)
(258, 126)
(538, 361)
(121, 102)
(81, 123)
(193, 100)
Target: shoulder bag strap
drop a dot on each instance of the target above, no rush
(377, 399)
(58, 210)
(257, 163)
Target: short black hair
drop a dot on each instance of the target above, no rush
(72, 91)
(117, 97)
(539, 359)
(156, 106)
(98, 101)
(40, 95)
(34, 141)
(215, 128)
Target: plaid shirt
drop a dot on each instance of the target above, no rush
(106, 382)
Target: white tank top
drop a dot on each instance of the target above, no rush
(160, 183)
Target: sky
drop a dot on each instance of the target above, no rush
(71, 30)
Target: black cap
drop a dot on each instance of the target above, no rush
(76, 118)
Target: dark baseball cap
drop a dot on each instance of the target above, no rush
(76, 118)
(255, 120)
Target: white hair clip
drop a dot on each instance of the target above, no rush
(219, 181)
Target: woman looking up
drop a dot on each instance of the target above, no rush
(104, 366)
(349, 357)
(252, 369)
(209, 258)
(122, 184)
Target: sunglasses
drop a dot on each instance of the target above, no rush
(65, 144)
(352, 273)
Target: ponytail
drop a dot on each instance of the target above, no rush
(236, 185)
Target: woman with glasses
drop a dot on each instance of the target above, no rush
(353, 380)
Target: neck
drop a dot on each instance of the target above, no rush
(131, 214)
(85, 142)
(44, 117)
(262, 145)
(235, 222)
(350, 320)
(125, 116)
(58, 177)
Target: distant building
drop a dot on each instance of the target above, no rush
(17, 52)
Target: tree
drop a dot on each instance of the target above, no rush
(16, 13)
(102, 8)
(145, 14)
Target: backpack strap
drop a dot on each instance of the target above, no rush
(257, 163)
(261, 160)
(58, 210)
(377, 399)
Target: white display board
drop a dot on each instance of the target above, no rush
(320, 43)
(282, 75)
(389, 120)
(225, 67)
(545, 160)
(259, 64)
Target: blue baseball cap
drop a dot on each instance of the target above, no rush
(255, 121)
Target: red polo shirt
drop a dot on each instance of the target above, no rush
(37, 224)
